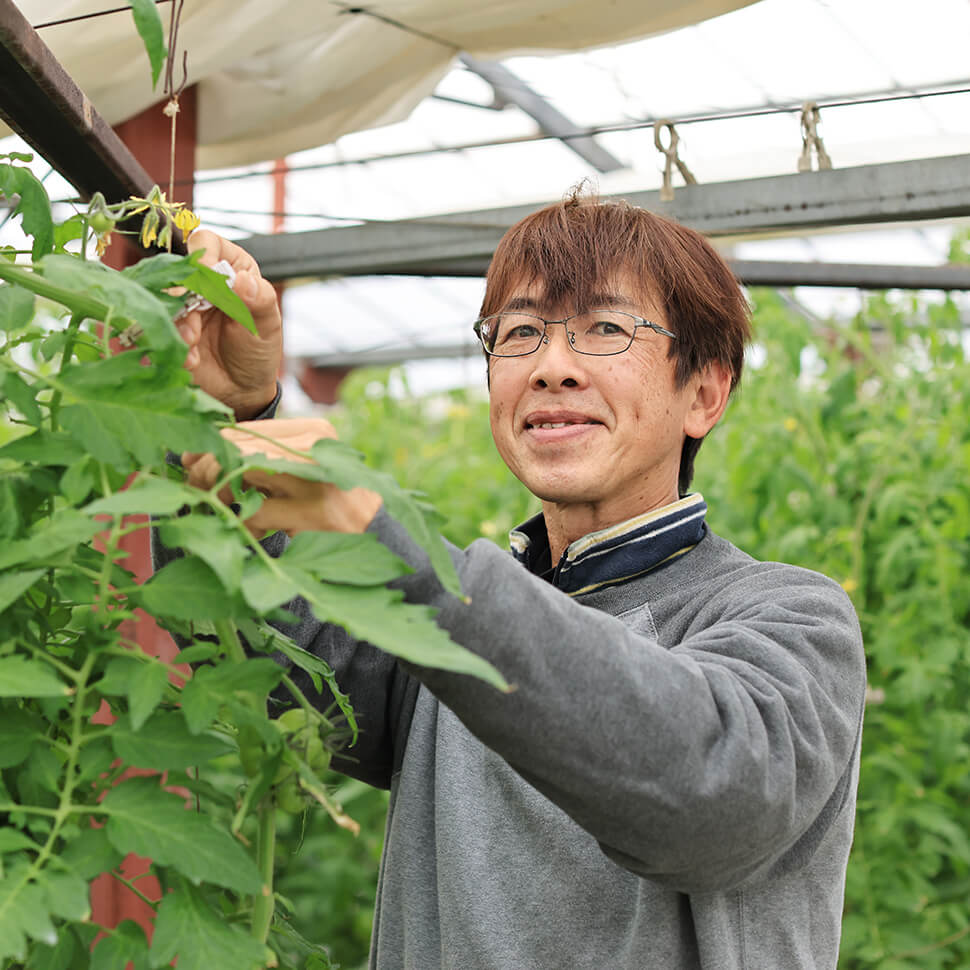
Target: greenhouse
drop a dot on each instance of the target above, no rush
(250, 722)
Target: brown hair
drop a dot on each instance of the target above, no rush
(577, 245)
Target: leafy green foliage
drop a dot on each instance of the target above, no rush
(95, 402)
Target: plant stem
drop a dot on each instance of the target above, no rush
(133, 888)
(55, 401)
(77, 303)
(263, 904)
(229, 638)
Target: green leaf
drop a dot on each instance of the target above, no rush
(129, 302)
(187, 927)
(127, 942)
(340, 464)
(23, 913)
(34, 206)
(121, 409)
(22, 396)
(212, 540)
(18, 730)
(149, 27)
(12, 585)
(20, 677)
(212, 285)
(267, 585)
(340, 557)
(64, 530)
(165, 742)
(147, 496)
(67, 894)
(211, 687)
(261, 636)
(78, 480)
(375, 614)
(91, 854)
(44, 447)
(118, 675)
(145, 690)
(61, 956)
(187, 589)
(157, 273)
(12, 840)
(146, 820)
(67, 231)
(16, 307)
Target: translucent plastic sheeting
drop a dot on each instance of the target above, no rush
(276, 78)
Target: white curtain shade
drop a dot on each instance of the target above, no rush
(279, 77)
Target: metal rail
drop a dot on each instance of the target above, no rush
(461, 244)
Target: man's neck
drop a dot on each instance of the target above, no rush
(567, 523)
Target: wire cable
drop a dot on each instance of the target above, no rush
(89, 16)
(638, 124)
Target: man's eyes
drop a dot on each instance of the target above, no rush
(520, 331)
(607, 328)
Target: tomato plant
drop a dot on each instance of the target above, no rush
(93, 382)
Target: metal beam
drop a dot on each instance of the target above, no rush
(387, 356)
(462, 243)
(864, 276)
(511, 89)
(40, 101)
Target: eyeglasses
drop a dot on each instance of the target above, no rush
(600, 333)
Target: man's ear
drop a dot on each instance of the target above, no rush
(711, 387)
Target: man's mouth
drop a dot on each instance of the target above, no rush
(544, 422)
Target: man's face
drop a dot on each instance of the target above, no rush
(603, 433)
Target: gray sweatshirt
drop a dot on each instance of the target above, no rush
(670, 785)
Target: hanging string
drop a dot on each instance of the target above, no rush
(171, 108)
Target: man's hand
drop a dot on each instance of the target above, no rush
(292, 504)
(225, 359)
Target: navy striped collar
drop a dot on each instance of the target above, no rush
(617, 554)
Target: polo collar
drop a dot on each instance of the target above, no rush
(616, 554)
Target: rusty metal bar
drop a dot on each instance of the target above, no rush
(42, 104)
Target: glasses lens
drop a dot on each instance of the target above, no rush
(602, 332)
(511, 334)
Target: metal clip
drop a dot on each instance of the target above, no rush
(672, 159)
(811, 139)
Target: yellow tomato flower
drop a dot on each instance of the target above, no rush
(186, 220)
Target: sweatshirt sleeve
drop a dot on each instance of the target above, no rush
(699, 764)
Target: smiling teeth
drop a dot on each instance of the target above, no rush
(554, 424)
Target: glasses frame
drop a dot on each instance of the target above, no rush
(639, 323)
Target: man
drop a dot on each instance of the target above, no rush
(672, 782)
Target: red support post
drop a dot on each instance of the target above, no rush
(148, 136)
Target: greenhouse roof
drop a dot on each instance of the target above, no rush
(890, 86)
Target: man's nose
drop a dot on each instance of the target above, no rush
(557, 364)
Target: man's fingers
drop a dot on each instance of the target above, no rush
(278, 515)
(203, 470)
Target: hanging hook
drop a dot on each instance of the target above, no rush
(812, 140)
(672, 159)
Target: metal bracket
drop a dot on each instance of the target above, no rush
(672, 159)
(812, 140)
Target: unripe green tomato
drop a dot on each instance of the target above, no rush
(321, 762)
(101, 222)
(290, 797)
